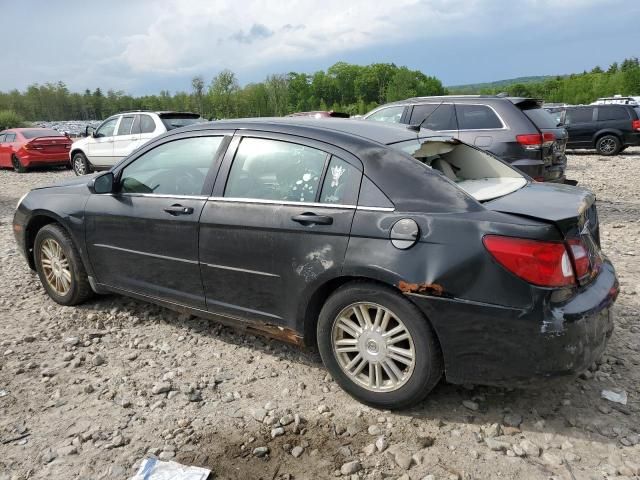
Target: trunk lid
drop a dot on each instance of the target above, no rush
(49, 144)
(571, 209)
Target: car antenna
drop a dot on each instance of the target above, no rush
(416, 128)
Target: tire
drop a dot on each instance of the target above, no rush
(418, 377)
(54, 252)
(17, 164)
(608, 145)
(80, 164)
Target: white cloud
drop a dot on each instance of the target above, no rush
(190, 36)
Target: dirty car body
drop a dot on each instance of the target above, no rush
(235, 245)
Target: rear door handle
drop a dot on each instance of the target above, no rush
(310, 218)
(178, 210)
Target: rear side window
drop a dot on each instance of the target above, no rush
(612, 113)
(579, 115)
(341, 183)
(125, 126)
(543, 119)
(389, 114)
(275, 170)
(147, 125)
(477, 117)
(438, 116)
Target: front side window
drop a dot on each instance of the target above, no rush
(341, 183)
(436, 116)
(477, 117)
(10, 138)
(107, 128)
(125, 125)
(390, 115)
(2, 136)
(175, 168)
(579, 115)
(275, 170)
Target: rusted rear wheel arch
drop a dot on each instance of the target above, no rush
(320, 296)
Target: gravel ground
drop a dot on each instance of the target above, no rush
(87, 392)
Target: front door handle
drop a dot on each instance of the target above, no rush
(177, 209)
(310, 218)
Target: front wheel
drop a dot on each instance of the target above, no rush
(17, 164)
(80, 164)
(608, 145)
(60, 267)
(378, 346)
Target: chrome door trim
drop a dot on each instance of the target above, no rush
(138, 252)
(243, 270)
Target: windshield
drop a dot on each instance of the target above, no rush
(171, 122)
(476, 172)
(541, 118)
(40, 132)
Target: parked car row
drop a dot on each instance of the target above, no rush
(403, 256)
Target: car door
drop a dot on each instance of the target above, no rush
(478, 125)
(144, 237)
(580, 123)
(278, 223)
(5, 152)
(100, 146)
(125, 140)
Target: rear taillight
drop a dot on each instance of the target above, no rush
(533, 141)
(580, 258)
(546, 264)
(635, 125)
(30, 146)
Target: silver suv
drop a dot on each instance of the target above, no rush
(121, 134)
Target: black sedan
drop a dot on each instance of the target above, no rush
(403, 256)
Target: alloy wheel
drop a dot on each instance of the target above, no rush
(55, 266)
(373, 347)
(79, 165)
(607, 145)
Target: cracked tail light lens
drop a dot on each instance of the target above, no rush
(546, 264)
(580, 258)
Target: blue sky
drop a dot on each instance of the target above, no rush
(147, 46)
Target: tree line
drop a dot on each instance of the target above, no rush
(576, 89)
(345, 87)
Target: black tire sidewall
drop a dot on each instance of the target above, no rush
(53, 232)
(428, 369)
(617, 150)
(17, 164)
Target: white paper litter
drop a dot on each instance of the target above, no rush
(615, 397)
(154, 469)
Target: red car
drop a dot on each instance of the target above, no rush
(22, 148)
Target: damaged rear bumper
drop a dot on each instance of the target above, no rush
(494, 345)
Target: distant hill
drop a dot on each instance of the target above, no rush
(477, 87)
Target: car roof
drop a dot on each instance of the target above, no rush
(463, 99)
(340, 128)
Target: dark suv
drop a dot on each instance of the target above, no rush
(517, 130)
(607, 128)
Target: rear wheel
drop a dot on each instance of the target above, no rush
(60, 267)
(378, 346)
(80, 164)
(17, 164)
(608, 145)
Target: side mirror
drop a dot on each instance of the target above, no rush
(103, 183)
